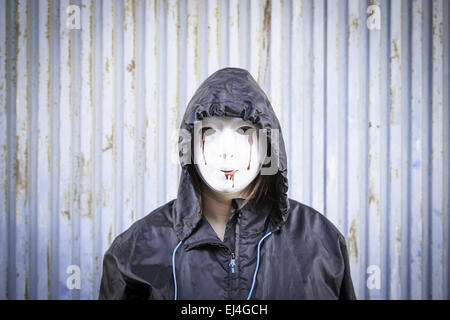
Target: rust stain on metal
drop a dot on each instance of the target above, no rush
(155, 16)
(371, 125)
(105, 198)
(398, 240)
(267, 20)
(26, 295)
(109, 142)
(107, 65)
(21, 169)
(89, 205)
(352, 240)
(131, 66)
(395, 54)
(372, 196)
(66, 200)
(128, 8)
(239, 18)
(196, 68)
(353, 26)
(392, 103)
(266, 39)
(66, 213)
(110, 236)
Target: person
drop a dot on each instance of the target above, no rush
(232, 232)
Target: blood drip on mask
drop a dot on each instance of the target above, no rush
(230, 175)
(203, 147)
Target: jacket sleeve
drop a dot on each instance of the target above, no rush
(347, 292)
(112, 285)
(117, 285)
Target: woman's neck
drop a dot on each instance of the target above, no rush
(216, 208)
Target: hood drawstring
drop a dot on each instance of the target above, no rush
(254, 275)
(257, 264)
(173, 268)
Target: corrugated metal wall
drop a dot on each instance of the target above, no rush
(88, 119)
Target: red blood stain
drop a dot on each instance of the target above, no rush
(203, 146)
(230, 175)
(250, 141)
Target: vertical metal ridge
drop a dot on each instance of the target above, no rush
(446, 191)
(118, 76)
(55, 162)
(97, 148)
(307, 114)
(172, 97)
(384, 152)
(151, 110)
(406, 161)
(33, 58)
(417, 164)
(4, 114)
(182, 57)
(437, 150)
(396, 125)
(297, 85)
(11, 63)
(224, 37)
(366, 220)
(140, 105)
(162, 135)
(426, 265)
(202, 31)
(22, 152)
(76, 143)
(234, 36)
(317, 106)
(287, 82)
(87, 133)
(388, 156)
(65, 150)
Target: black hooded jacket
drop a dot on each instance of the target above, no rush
(275, 249)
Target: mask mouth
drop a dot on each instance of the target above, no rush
(229, 171)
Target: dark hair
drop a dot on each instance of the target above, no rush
(258, 189)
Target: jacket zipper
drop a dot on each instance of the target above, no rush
(232, 262)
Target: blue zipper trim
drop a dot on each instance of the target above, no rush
(257, 264)
(173, 270)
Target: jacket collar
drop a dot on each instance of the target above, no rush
(188, 219)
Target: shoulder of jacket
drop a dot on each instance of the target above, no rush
(157, 221)
(306, 217)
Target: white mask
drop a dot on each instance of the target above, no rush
(226, 153)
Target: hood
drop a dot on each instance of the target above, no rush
(230, 92)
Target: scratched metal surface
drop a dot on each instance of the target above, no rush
(87, 120)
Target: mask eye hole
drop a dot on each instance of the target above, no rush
(246, 130)
(207, 131)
